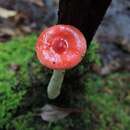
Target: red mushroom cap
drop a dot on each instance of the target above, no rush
(61, 47)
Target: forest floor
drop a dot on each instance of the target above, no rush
(103, 101)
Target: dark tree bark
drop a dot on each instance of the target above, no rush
(83, 14)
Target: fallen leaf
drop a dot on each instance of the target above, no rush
(20, 18)
(25, 29)
(4, 13)
(127, 99)
(15, 67)
(4, 37)
(6, 33)
(7, 30)
(53, 113)
(106, 90)
(56, 2)
(107, 69)
(36, 2)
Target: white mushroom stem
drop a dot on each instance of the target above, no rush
(55, 84)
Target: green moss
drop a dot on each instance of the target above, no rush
(107, 96)
(57, 128)
(92, 54)
(13, 84)
(23, 122)
(105, 100)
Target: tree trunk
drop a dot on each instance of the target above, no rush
(83, 14)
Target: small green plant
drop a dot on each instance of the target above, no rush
(92, 54)
(57, 128)
(23, 122)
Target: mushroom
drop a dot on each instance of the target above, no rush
(60, 47)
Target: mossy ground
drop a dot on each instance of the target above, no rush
(23, 81)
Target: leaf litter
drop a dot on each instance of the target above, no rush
(52, 113)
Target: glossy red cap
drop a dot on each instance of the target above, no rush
(61, 47)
